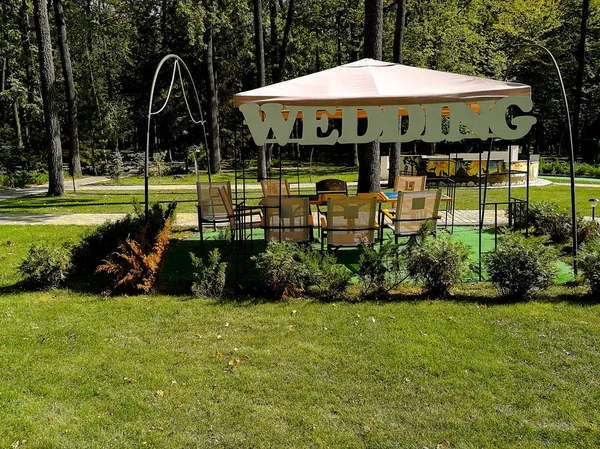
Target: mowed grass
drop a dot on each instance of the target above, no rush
(122, 201)
(81, 370)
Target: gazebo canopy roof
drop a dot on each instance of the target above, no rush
(371, 82)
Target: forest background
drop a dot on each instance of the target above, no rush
(104, 54)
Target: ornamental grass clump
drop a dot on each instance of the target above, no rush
(522, 266)
(439, 264)
(589, 263)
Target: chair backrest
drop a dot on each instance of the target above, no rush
(409, 183)
(415, 209)
(332, 186)
(210, 203)
(351, 221)
(287, 220)
(227, 204)
(275, 187)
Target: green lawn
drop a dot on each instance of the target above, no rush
(84, 371)
(105, 201)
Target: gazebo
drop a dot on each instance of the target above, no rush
(439, 106)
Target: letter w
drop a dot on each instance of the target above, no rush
(273, 119)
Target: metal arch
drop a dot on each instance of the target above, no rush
(572, 154)
(176, 69)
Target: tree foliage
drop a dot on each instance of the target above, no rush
(115, 46)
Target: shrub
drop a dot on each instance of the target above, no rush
(46, 266)
(134, 269)
(586, 230)
(329, 279)
(107, 238)
(209, 278)
(116, 167)
(589, 262)
(380, 271)
(549, 221)
(439, 263)
(281, 269)
(23, 179)
(289, 269)
(521, 267)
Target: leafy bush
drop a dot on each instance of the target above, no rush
(520, 267)
(439, 263)
(46, 266)
(134, 269)
(209, 278)
(589, 263)
(107, 238)
(380, 271)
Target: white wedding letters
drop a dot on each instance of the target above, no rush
(424, 122)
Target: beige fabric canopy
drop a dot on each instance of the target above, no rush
(371, 82)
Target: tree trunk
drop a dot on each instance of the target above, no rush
(17, 124)
(579, 84)
(259, 47)
(56, 180)
(71, 94)
(368, 153)
(26, 43)
(213, 107)
(286, 40)
(396, 147)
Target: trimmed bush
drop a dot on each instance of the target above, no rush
(46, 266)
(380, 271)
(439, 263)
(589, 263)
(209, 278)
(521, 267)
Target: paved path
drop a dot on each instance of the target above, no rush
(461, 217)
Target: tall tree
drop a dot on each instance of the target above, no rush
(396, 147)
(368, 153)
(70, 92)
(585, 11)
(213, 106)
(56, 180)
(259, 52)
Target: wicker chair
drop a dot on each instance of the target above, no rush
(414, 209)
(275, 187)
(241, 218)
(211, 209)
(332, 186)
(287, 219)
(409, 184)
(350, 222)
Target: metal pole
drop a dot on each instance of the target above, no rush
(572, 154)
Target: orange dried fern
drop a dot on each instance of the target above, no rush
(132, 268)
